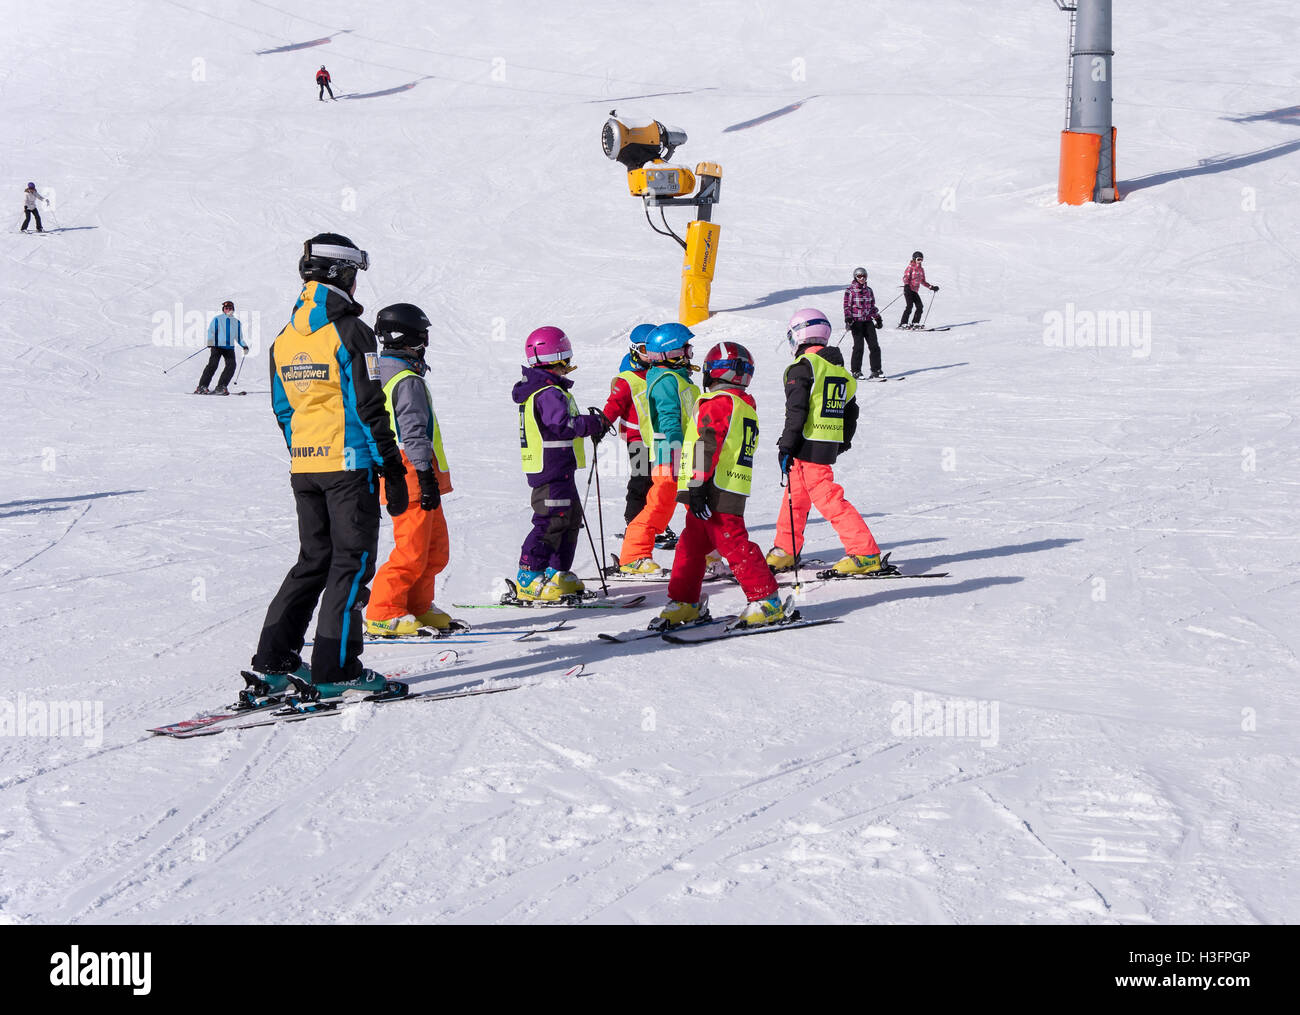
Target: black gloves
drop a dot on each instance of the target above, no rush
(700, 495)
(395, 487)
(848, 323)
(605, 426)
(877, 321)
(934, 288)
(430, 495)
(845, 447)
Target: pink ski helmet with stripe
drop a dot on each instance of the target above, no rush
(548, 346)
(808, 327)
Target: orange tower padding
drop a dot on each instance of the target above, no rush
(1080, 153)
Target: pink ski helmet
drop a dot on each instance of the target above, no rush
(808, 327)
(548, 346)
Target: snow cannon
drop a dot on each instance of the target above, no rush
(644, 151)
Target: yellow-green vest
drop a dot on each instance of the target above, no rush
(435, 434)
(735, 471)
(532, 448)
(688, 394)
(833, 388)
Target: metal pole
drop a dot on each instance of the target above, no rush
(1090, 88)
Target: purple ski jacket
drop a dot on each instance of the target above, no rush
(553, 419)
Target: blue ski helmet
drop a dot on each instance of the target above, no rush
(639, 335)
(668, 342)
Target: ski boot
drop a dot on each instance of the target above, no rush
(715, 566)
(778, 560)
(397, 627)
(439, 621)
(561, 585)
(870, 564)
(220, 391)
(369, 685)
(528, 584)
(201, 390)
(677, 614)
(763, 611)
(666, 540)
(264, 688)
(644, 566)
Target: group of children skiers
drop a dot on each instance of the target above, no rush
(359, 424)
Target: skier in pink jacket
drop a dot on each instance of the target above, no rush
(913, 279)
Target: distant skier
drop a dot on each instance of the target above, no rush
(551, 429)
(224, 331)
(913, 279)
(662, 414)
(862, 319)
(329, 403)
(401, 598)
(323, 79)
(716, 474)
(620, 408)
(821, 417)
(30, 211)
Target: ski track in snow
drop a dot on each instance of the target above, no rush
(1120, 529)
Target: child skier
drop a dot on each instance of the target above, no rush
(662, 411)
(223, 333)
(821, 415)
(620, 408)
(323, 79)
(30, 211)
(862, 319)
(550, 438)
(913, 279)
(401, 599)
(716, 474)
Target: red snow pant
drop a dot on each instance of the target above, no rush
(660, 503)
(813, 485)
(404, 584)
(726, 534)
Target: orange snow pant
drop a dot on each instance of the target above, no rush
(813, 485)
(660, 502)
(404, 584)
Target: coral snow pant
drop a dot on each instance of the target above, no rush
(726, 534)
(404, 584)
(813, 485)
(660, 502)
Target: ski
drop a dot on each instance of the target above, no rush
(796, 621)
(460, 637)
(877, 576)
(639, 634)
(339, 706)
(579, 601)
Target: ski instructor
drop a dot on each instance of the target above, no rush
(327, 397)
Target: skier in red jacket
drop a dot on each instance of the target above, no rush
(913, 279)
(323, 79)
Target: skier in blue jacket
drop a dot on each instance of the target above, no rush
(223, 333)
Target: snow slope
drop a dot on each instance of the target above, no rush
(1120, 526)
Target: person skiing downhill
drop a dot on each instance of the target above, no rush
(862, 319)
(551, 430)
(821, 417)
(620, 408)
(30, 211)
(913, 279)
(329, 404)
(323, 79)
(662, 411)
(223, 333)
(714, 482)
(401, 598)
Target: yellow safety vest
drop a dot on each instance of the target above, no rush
(833, 388)
(735, 471)
(688, 394)
(439, 456)
(532, 448)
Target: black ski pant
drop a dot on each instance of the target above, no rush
(32, 213)
(325, 87)
(215, 356)
(913, 300)
(638, 480)
(864, 331)
(338, 536)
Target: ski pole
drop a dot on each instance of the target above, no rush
(927, 311)
(189, 357)
(794, 536)
(241, 368)
(600, 569)
(841, 338)
(600, 513)
(890, 303)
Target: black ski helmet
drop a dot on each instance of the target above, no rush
(402, 326)
(917, 256)
(332, 259)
